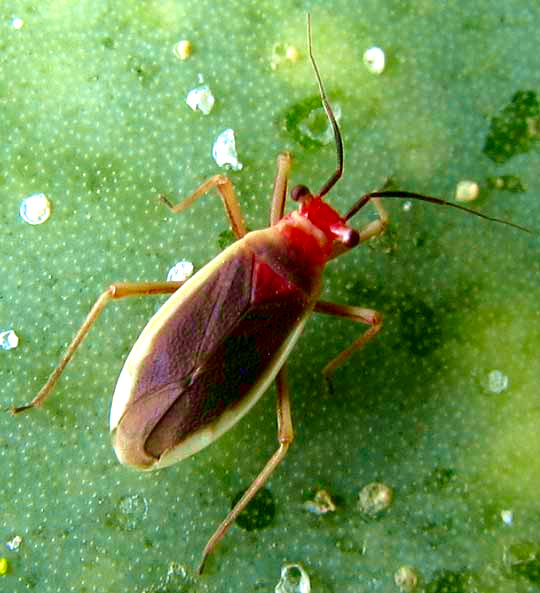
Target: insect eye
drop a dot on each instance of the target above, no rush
(299, 193)
(352, 238)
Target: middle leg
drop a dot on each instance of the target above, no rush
(358, 314)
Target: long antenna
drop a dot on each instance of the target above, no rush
(326, 104)
(361, 202)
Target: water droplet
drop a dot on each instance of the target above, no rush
(177, 580)
(507, 516)
(374, 60)
(406, 579)
(201, 98)
(17, 23)
(283, 53)
(321, 504)
(35, 209)
(375, 498)
(316, 125)
(224, 150)
(294, 579)
(467, 191)
(292, 54)
(407, 206)
(180, 271)
(14, 543)
(183, 49)
(133, 509)
(497, 381)
(307, 122)
(8, 340)
(129, 512)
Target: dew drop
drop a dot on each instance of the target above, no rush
(375, 498)
(17, 23)
(374, 60)
(467, 191)
(129, 512)
(201, 98)
(35, 209)
(294, 579)
(497, 381)
(406, 579)
(14, 543)
(180, 271)
(224, 150)
(8, 340)
(282, 53)
(316, 125)
(507, 517)
(183, 49)
(321, 504)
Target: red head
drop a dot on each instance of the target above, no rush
(325, 218)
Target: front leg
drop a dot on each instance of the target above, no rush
(228, 196)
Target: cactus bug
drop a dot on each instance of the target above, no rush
(215, 346)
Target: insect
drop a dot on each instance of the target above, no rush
(221, 339)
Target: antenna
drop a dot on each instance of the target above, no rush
(361, 202)
(326, 104)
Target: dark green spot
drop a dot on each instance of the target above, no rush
(225, 239)
(447, 581)
(107, 42)
(420, 331)
(514, 129)
(259, 513)
(420, 238)
(523, 559)
(439, 478)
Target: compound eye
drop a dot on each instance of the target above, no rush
(299, 193)
(352, 238)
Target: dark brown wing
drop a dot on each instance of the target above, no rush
(210, 355)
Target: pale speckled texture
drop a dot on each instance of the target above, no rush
(92, 113)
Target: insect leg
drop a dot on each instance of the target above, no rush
(376, 227)
(115, 291)
(359, 314)
(228, 196)
(279, 195)
(285, 438)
